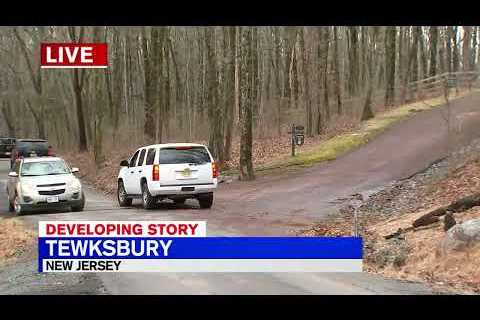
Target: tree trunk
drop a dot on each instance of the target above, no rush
(323, 45)
(467, 34)
(390, 39)
(230, 102)
(423, 54)
(246, 115)
(9, 118)
(82, 133)
(367, 112)
(336, 73)
(326, 88)
(455, 54)
(36, 78)
(292, 72)
(448, 45)
(214, 108)
(433, 50)
(353, 61)
(474, 48)
(99, 111)
(441, 51)
(149, 48)
(413, 63)
(306, 79)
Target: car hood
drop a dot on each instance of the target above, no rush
(61, 178)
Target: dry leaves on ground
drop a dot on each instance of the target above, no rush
(14, 238)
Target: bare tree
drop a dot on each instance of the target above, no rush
(306, 80)
(390, 49)
(336, 72)
(230, 90)
(433, 50)
(215, 114)
(367, 112)
(246, 103)
(36, 78)
(78, 81)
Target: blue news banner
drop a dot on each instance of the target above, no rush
(199, 254)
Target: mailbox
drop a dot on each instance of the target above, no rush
(299, 139)
(299, 135)
(299, 129)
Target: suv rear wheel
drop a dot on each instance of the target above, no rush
(205, 200)
(147, 199)
(123, 200)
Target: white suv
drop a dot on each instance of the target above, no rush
(176, 171)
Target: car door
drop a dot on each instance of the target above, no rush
(130, 174)
(139, 171)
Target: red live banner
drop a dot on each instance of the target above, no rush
(74, 55)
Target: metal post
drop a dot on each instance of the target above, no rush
(355, 221)
(293, 140)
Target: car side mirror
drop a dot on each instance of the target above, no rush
(124, 163)
(75, 170)
(13, 174)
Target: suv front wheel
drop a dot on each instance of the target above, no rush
(206, 200)
(147, 199)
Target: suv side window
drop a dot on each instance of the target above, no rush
(150, 156)
(133, 160)
(141, 158)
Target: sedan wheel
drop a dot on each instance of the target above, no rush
(17, 206)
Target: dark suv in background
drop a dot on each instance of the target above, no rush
(25, 148)
(6, 146)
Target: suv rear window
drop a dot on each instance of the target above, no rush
(7, 141)
(26, 147)
(173, 155)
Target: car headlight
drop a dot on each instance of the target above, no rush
(74, 185)
(27, 189)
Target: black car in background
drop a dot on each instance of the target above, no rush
(6, 146)
(25, 148)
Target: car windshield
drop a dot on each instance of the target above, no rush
(42, 168)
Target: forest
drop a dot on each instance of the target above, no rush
(225, 86)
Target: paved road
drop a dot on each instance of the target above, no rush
(271, 205)
(21, 277)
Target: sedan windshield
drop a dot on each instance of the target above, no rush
(42, 168)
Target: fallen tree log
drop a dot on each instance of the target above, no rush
(433, 216)
(459, 205)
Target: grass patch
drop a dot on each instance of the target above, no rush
(338, 145)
